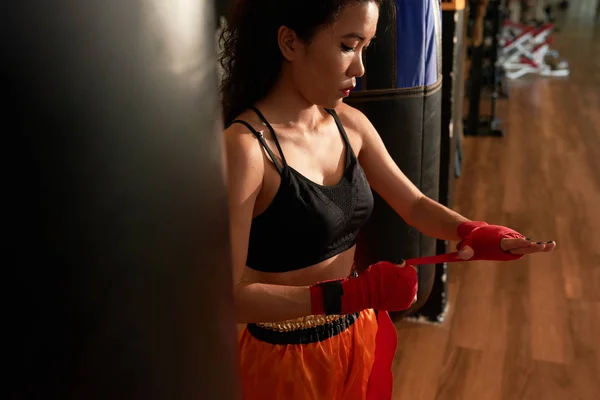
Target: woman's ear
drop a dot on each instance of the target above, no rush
(288, 42)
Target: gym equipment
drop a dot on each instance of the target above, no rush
(119, 238)
(514, 35)
(526, 49)
(400, 94)
(481, 54)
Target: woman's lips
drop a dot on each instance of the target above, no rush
(347, 91)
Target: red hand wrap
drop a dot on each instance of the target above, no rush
(485, 240)
(382, 286)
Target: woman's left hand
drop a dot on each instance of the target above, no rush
(480, 242)
(514, 246)
(526, 246)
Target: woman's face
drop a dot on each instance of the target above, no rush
(325, 70)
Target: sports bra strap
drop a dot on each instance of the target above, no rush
(262, 140)
(349, 151)
(262, 117)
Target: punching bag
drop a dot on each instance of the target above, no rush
(400, 93)
(118, 231)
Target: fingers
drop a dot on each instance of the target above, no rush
(526, 246)
(551, 245)
(534, 248)
(513, 244)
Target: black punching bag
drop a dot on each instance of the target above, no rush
(119, 238)
(400, 93)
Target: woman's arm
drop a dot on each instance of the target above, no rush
(424, 214)
(435, 220)
(254, 301)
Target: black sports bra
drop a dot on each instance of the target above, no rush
(307, 223)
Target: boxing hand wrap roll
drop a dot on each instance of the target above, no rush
(485, 240)
(382, 286)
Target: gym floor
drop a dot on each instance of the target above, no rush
(529, 329)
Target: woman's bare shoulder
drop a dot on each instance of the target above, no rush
(243, 151)
(355, 122)
(352, 117)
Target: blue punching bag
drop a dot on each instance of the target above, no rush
(401, 94)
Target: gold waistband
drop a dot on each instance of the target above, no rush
(310, 321)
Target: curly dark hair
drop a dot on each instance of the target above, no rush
(251, 58)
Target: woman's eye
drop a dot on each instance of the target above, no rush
(346, 48)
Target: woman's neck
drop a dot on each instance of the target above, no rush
(288, 107)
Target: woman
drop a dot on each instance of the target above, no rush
(301, 165)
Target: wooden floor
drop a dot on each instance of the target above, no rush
(529, 329)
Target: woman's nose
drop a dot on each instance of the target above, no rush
(357, 68)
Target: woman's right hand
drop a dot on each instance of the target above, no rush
(382, 286)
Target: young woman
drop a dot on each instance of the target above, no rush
(301, 166)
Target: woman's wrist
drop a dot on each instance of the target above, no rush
(464, 228)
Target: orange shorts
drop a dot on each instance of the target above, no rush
(315, 358)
